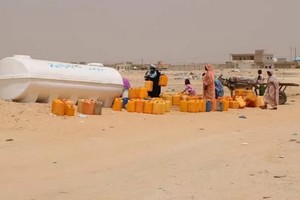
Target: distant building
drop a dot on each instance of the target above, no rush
(162, 65)
(124, 67)
(251, 60)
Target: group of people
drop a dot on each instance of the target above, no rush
(271, 92)
(213, 88)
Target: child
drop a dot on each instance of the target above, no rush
(259, 84)
(188, 88)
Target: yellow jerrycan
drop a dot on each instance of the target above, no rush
(118, 104)
(202, 103)
(183, 106)
(163, 80)
(130, 106)
(148, 107)
(234, 104)
(58, 107)
(167, 106)
(70, 110)
(176, 99)
(133, 93)
(158, 108)
(149, 86)
(88, 107)
(142, 93)
(139, 105)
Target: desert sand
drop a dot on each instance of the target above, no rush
(178, 156)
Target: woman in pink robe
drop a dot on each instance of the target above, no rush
(208, 83)
(271, 95)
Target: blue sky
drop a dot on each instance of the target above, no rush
(175, 31)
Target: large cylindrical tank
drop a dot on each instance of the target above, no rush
(25, 79)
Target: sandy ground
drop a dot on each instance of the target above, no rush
(121, 155)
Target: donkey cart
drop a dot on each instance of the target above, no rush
(233, 83)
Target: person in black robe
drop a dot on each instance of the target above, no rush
(153, 75)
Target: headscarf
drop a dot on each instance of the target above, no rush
(208, 83)
(210, 75)
(272, 78)
(152, 72)
(152, 66)
(126, 83)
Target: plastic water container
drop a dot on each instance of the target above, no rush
(118, 104)
(241, 101)
(148, 107)
(130, 107)
(260, 101)
(24, 79)
(168, 98)
(125, 101)
(176, 100)
(98, 108)
(88, 106)
(184, 97)
(167, 106)
(208, 106)
(158, 108)
(234, 104)
(163, 80)
(58, 107)
(220, 106)
(213, 105)
(70, 110)
(139, 105)
(183, 106)
(142, 93)
(225, 104)
(149, 86)
(79, 105)
(193, 106)
(133, 93)
(202, 105)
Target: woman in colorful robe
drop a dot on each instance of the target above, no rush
(208, 83)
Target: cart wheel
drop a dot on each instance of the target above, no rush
(282, 98)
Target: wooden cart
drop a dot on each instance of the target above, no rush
(233, 83)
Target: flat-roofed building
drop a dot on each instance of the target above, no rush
(251, 60)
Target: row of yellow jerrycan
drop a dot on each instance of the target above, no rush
(89, 107)
(153, 106)
(84, 106)
(63, 107)
(242, 102)
(139, 92)
(175, 98)
(250, 98)
(202, 105)
(234, 103)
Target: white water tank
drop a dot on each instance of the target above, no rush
(24, 79)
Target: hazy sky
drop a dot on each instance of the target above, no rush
(175, 31)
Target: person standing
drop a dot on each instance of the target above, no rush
(208, 83)
(271, 95)
(259, 84)
(153, 75)
(219, 90)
